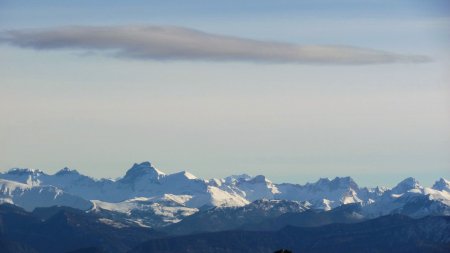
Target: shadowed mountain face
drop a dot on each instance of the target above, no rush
(55, 230)
(63, 229)
(393, 233)
(350, 213)
(265, 215)
(228, 218)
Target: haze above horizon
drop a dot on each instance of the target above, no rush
(293, 90)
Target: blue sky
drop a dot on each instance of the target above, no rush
(82, 107)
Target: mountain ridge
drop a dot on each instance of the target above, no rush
(146, 196)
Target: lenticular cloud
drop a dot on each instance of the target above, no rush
(177, 43)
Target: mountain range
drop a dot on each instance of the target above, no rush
(68, 230)
(147, 210)
(147, 197)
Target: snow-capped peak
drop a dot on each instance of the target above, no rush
(24, 175)
(234, 178)
(188, 175)
(257, 188)
(143, 185)
(442, 185)
(30, 197)
(406, 185)
(23, 171)
(143, 169)
(182, 175)
(325, 184)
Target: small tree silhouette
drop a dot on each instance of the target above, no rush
(283, 251)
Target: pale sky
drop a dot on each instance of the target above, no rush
(294, 90)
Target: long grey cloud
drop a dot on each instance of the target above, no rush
(177, 43)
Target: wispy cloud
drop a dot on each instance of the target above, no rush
(177, 43)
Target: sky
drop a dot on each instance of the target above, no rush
(294, 90)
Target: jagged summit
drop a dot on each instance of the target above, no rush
(259, 179)
(67, 171)
(442, 185)
(323, 180)
(144, 169)
(235, 178)
(343, 183)
(407, 184)
(336, 183)
(24, 175)
(18, 171)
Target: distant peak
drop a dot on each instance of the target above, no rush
(336, 183)
(24, 171)
(146, 167)
(344, 179)
(410, 181)
(344, 182)
(259, 179)
(235, 178)
(323, 180)
(66, 171)
(442, 185)
(407, 184)
(141, 170)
